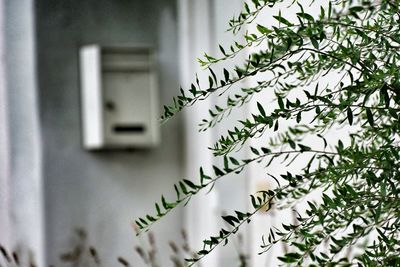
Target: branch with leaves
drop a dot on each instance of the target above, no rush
(356, 41)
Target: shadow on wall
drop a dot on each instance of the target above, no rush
(82, 254)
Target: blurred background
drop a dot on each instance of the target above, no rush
(56, 191)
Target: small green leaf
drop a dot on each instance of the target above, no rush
(306, 16)
(276, 126)
(143, 221)
(263, 30)
(139, 224)
(226, 75)
(217, 171)
(211, 82)
(253, 201)
(304, 148)
(283, 20)
(190, 184)
(280, 103)
(314, 42)
(164, 203)
(234, 161)
(178, 194)
(298, 117)
(292, 144)
(255, 151)
(370, 117)
(350, 116)
(150, 218)
(231, 220)
(222, 50)
(261, 109)
(158, 210)
(356, 9)
(183, 188)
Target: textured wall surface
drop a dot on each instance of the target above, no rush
(102, 192)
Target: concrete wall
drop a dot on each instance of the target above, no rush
(102, 192)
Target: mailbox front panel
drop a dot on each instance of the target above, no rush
(127, 86)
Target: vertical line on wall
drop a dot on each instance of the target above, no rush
(5, 232)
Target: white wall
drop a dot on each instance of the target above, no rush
(4, 159)
(24, 154)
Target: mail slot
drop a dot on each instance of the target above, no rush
(129, 129)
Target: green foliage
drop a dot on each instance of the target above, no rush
(358, 42)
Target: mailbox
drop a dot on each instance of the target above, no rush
(118, 97)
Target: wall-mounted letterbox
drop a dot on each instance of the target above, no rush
(119, 97)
